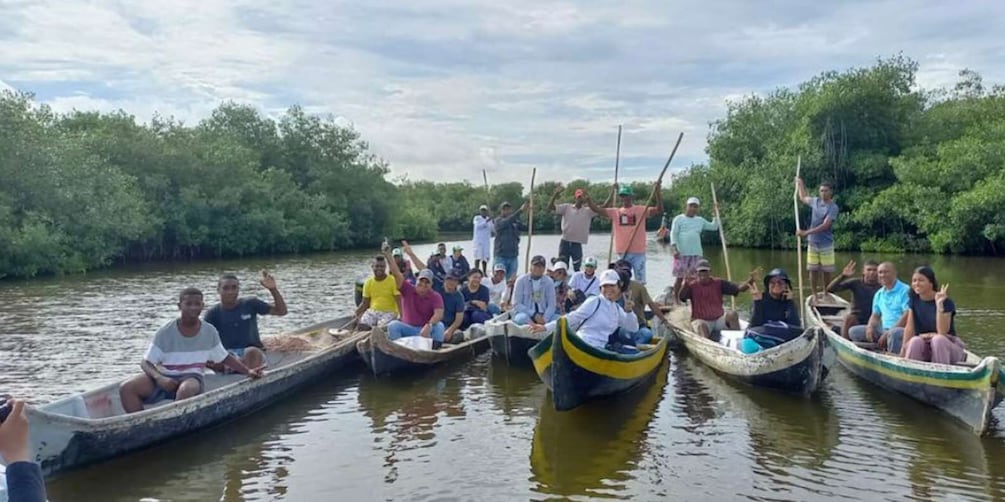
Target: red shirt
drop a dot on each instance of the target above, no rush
(706, 298)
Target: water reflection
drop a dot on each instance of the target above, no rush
(593, 450)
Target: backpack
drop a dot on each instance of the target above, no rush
(773, 333)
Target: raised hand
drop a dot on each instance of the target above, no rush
(941, 296)
(755, 275)
(755, 292)
(405, 247)
(268, 282)
(559, 189)
(526, 205)
(849, 269)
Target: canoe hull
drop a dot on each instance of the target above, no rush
(794, 367)
(511, 342)
(382, 356)
(966, 393)
(576, 373)
(64, 442)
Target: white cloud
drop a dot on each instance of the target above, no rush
(443, 89)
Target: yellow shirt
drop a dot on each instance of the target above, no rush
(382, 294)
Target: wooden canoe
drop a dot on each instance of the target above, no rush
(384, 356)
(576, 371)
(92, 426)
(966, 391)
(511, 341)
(795, 366)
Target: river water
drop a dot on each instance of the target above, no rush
(480, 430)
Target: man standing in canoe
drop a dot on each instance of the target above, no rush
(819, 237)
(236, 319)
(685, 242)
(576, 219)
(421, 307)
(629, 241)
(380, 297)
(862, 293)
(507, 246)
(174, 364)
(481, 242)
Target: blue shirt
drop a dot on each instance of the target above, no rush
(453, 304)
(821, 212)
(891, 304)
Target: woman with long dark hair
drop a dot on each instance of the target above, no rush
(930, 333)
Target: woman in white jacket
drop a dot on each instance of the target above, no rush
(599, 316)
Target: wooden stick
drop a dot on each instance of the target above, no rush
(799, 241)
(617, 162)
(530, 223)
(725, 249)
(642, 221)
(488, 193)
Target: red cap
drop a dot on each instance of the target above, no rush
(580, 192)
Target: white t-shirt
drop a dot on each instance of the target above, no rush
(497, 292)
(581, 282)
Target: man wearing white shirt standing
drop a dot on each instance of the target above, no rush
(685, 243)
(481, 243)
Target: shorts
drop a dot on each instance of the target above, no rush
(820, 258)
(684, 265)
(160, 394)
(482, 250)
(376, 318)
(714, 326)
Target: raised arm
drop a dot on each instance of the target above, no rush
(599, 210)
(803, 195)
(419, 262)
(399, 278)
(849, 270)
(658, 189)
(278, 307)
(554, 197)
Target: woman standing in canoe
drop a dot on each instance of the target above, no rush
(930, 333)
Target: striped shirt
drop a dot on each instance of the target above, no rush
(177, 354)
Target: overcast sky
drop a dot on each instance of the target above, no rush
(442, 89)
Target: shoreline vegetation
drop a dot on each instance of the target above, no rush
(915, 170)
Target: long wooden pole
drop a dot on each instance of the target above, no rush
(488, 193)
(617, 162)
(799, 239)
(530, 223)
(725, 248)
(642, 221)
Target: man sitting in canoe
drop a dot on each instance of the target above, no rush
(889, 311)
(421, 307)
(637, 295)
(777, 305)
(534, 295)
(708, 316)
(459, 263)
(236, 319)
(862, 292)
(380, 297)
(559, 273)
(498, 288)
(585, 283)
(453, 306)
(403, 265)
(599, 316)
(176, 359)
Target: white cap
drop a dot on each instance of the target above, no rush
(559, 265)
(483, 207)
(609, 277)
(693, 200)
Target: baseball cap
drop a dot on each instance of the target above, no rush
(458, 247)
(499, 268)
(483, 207)
(580, 192)
(693, 200)
(538, 260)
(590, 262)
(396, 252)
(703, 266)
(426, 274)
(506, 204)
(452, 276)
(559, 266)
(609, 277)
(625, 190)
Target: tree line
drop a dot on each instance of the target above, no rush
(915, 171)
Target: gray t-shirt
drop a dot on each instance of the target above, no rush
(178, 354)
(575, 222)
(821, 211)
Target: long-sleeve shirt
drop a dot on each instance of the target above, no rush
(507, 229)
(685, 233)
(483, 228)
(23, 483)
(596, 319)
(775, 309)
(590, 286)
(534, 296)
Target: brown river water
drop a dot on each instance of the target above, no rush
(480, 430)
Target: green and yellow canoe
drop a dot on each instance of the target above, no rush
(576, 371)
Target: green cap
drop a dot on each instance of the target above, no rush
(590, 262)
(396, 252)
(625, 190)
(458, 247)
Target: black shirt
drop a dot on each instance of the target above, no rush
(861, 296)
(238, 326)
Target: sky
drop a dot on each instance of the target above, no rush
(444, 89)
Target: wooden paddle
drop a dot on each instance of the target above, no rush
(725, 249)
(799, 240)
(642, 221)
(530, 223)
(617, 162)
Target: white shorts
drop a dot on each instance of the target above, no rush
(482, 250)
(376, 318)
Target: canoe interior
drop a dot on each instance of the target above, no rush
(104, 402)
(383, 355)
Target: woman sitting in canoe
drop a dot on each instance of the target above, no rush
(930, 333)
(777, 305)
(599, 317)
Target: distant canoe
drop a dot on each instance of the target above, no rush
(92, 426)
(795, 366)
(576, 371)
(511, 341)
(967, 391)
(384, 356)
